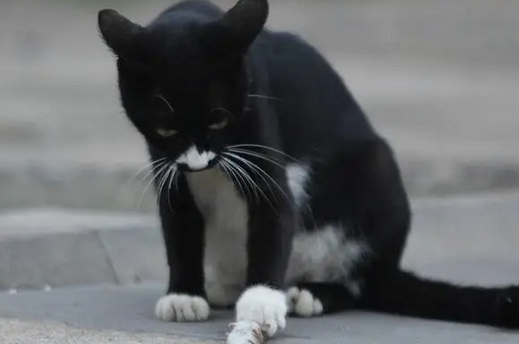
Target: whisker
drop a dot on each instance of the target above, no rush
(173, 178)
(142, 169)
(160, 169)
(257, 155)
(153, 169)
(242, 178)
(254, 185)
(260, 96)
(251, 145)
(238, 181)
(260, 175)
(161, 183)
(177, 181)
(171, 173)
(260, 172)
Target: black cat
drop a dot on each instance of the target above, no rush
(270, 176)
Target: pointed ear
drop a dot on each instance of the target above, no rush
(120, 34)
(238, 28)
(246, 20)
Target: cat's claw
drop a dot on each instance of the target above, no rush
(182, 308)
(264, 306)
(302, 303)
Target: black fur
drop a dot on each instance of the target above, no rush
(279, 92)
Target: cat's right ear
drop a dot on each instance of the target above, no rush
(121, 35)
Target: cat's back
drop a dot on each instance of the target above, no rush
(309, 96)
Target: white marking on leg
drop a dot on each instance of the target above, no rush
(182, 308)
(265, 306)
(297, 176)
(196, 160)
(324, 255)
(303, 303)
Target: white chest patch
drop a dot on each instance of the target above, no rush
(225, 215)
(324, 255)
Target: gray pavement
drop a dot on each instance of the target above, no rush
(463, 239)
(37, 332)
(467, 240)
(129, 310)
(438, 78)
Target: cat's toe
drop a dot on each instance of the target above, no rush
(264, 306)
(303, 303)
(507, 309)
(182, 308)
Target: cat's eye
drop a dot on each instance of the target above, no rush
(219, 125)
(219, 119)
(166, 132)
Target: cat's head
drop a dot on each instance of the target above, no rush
(183, 79)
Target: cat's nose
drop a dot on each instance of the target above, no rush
(195, 160)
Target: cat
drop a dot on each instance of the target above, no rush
(276, 194)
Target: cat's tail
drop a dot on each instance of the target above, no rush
(406, 294)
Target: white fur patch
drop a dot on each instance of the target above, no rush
(297, 175)
(225, 213)
(265, 306)
(324, 255)
(181, 308)
(194, 159)
(321, 256)
(303, 303)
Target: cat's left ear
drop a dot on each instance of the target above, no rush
(238, 28)
(124, 37)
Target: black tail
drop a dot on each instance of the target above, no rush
(409, 295)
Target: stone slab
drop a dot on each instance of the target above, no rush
(470, 234)
(130, 310)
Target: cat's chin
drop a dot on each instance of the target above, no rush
(186, 169)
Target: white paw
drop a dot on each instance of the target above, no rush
(181, 308)
(264, 306)
(302, 303)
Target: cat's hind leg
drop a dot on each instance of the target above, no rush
(313, 299)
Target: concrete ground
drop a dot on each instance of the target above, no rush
(463, 239)
(82, 278)
(107, 314)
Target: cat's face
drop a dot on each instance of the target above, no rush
(187, 111)
(183, 83)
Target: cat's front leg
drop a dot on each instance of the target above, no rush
(271, 231)
(183, 230)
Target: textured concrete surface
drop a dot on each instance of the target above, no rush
(438, 78)
(467, 240)
(130, 310)
(26, 332)
(49, 247)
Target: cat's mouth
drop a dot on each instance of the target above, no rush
(196, 160)
(186, 168)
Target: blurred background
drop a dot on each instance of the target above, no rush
(439, 79)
